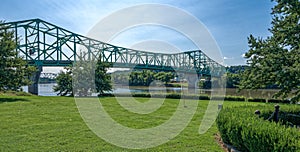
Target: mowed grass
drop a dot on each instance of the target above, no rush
(54, 124)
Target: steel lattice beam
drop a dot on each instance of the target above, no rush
(45, 44)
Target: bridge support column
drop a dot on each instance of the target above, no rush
(34, 87)
(192, 80)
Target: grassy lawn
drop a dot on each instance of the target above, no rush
(54, 124)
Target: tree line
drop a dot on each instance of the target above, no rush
(142, 77)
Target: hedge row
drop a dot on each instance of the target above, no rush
(176, 96)
(171, 96)
(269, 100)
(201, 97)
(246, 131)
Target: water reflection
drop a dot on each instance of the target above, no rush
(47, 90)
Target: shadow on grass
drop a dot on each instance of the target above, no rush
(2, 100)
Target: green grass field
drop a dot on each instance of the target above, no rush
(35, 123)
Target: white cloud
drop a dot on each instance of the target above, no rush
(228, 58)
(167, 16)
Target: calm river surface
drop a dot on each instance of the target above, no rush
(46, 90)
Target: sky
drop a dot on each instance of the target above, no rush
(230, 22)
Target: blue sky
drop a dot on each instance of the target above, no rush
(229, 21)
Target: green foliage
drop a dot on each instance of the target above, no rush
(205, 84)
(233, 80)
(290, 118)
(14, 71)
(64, 82)
(102, 79)
(83, 74)
(84, 78)
(276, 59)
(168, 96)
(234, 98)
(236, 69)
(256, 100)
(14, 93)
(164, 76)
(240, 127)
(278, 101)
(141, 78)
(233, 75)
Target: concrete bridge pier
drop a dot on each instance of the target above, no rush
(34, 87)
(192, 79)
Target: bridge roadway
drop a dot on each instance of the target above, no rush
(45, 44)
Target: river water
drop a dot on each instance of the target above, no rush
(47, 90)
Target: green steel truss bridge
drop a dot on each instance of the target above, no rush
(45, 44)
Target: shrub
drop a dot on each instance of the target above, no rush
(15, 93)
(234, 98)
(147, 95)
(256, 100)
(202, 97)
(278, 101)
(21, 93)
(246, 131)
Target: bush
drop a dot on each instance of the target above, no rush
(147, 95)
(256, 100)
(234, 98)
(246, 131)
(203, 97)
(278, 101)
(15, 93)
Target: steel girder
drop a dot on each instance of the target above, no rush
(45, 44)
(49, 75)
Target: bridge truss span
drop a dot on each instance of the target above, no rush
(45, 44)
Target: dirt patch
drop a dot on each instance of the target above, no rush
(225, 147)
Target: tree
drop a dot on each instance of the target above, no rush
(165, 76)
(64, 82)
(102, 79)
(233, 80)
(14, 71)
(205, 84)
(84, 78)
(233, 75)
(276, 59)
(83, 74)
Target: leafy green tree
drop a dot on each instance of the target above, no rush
(205, 84)
(233, 80)
(164, 76)
(102, 79)
(64, 82)
(148, 76)
(276, 59)
(14, 71)
(120, 77)
(84, 78)
(233, 75)
(134, 78)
